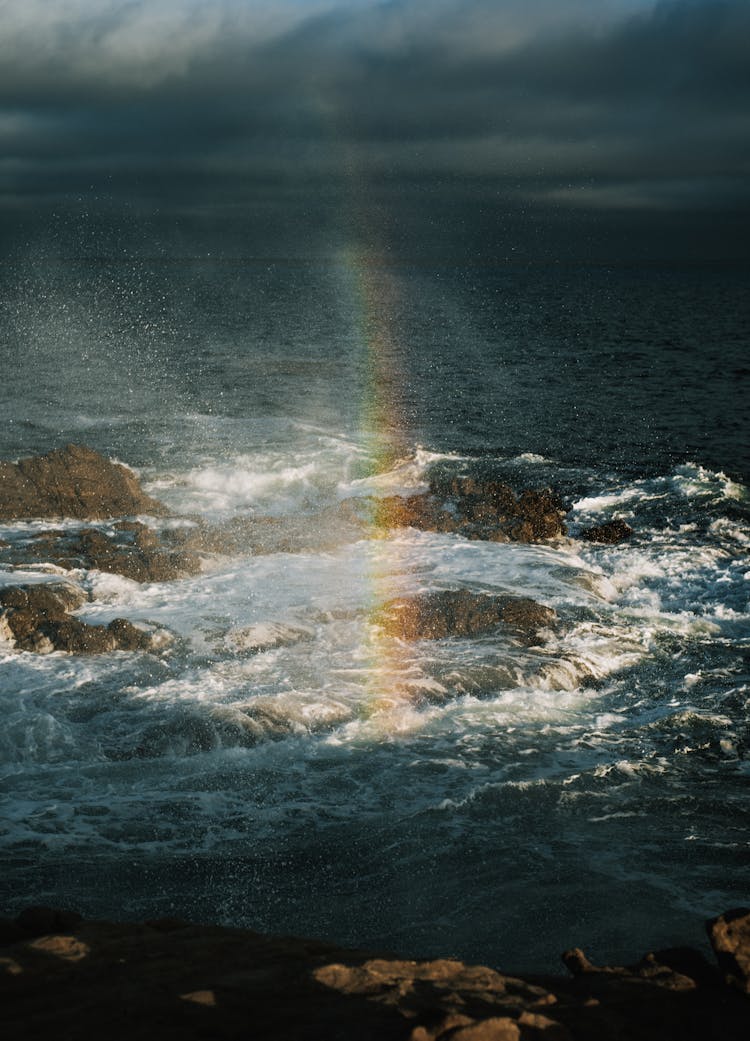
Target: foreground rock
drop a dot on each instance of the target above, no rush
(71, 482)
(459, 612)
(36, 618)
(67, 978)
(730, 939)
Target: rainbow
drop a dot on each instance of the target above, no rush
(392, 668)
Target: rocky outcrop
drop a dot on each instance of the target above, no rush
(129, 548)
(36, 618)
(468, 506)
(730, 938)
(459, 612)
(71, 482)
(610, 533)
(67, 978)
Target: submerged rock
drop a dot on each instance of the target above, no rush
(168, 979)
(71, 482)
(610, 533)
(310, 532)
(130, 549)
(459, 612)
(35, 618)
(263, 636)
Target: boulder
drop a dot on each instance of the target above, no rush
(71, 482)
(476, 509)
(610, 533)
(35, 618)
(459, 612)
(730, 938)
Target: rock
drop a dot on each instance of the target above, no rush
(650, 967)
(459, 612)
(610, 533)
(36, 619)
(134, 552)
(168, 979)
(730, 938)
(263, 636)
(76, 637)
(129, 637)
(28, 611)
(129, 548)
(476, 509)
(71, 482)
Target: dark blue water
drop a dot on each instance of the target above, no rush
(637, 369)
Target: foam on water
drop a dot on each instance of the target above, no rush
(282, 726)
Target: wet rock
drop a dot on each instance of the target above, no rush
(71, 482)
(129, 548)
(459, 612)
(476, 509)
(27, 612)
(133, 551)
(76, 637)
(35, 618)
(610, 533)
(730, 938)
(129, 637)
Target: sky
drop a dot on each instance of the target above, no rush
(440, 121)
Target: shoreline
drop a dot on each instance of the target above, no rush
(168, 978)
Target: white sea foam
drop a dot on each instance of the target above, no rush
(689, 482)
(281, 711)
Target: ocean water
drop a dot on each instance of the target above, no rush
(285, 767)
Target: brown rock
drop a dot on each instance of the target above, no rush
(36, 618)
(497, 1028)
(610, 533)
(76, 637)
(130, 549)
(142, 560)
(459, 612)
(28, 610)
(71, 482)
(730, 938)
(661, 971)
(128, 637)
(476, 509)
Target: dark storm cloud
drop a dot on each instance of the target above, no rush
(579, 104)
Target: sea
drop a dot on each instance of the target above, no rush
(282, 766)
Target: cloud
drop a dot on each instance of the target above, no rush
(586, 104)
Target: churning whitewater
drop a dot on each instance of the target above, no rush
(283, 766)
(279, 761)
